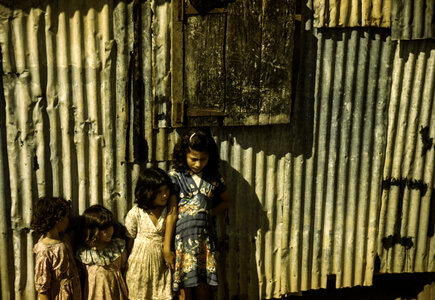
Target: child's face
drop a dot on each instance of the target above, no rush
(105, 235)
(162, 196)
(63, 223)
(196, 160)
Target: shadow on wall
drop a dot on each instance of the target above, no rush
(302, 114)
(237, 232)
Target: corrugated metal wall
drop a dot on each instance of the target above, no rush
(407, 217)
(338, 177)
(413, 20)
(351, 13)
(65, 67)
(308, 198)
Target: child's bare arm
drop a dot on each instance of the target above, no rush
(169, 232)
(224, 204)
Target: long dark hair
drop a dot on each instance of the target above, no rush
(148, 184)
(198, 141)
(47, 212)
(96, 218)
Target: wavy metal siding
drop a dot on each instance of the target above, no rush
(412, 20)
(307, 197)
(406, 236)
(350, 13)
(341, 175)
(64, 77)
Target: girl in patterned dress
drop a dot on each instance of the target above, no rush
(56, 274)
(103, 256)
(147, 276)
(202, 194)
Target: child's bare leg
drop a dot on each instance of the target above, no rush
(185, 294)
(201, 292)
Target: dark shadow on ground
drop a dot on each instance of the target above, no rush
(385, 287)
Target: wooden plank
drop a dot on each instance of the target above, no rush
(276, 61)
(205, 113)
(204, 76)
(243, 42)
(240, 63)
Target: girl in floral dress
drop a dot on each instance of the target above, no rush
(102, 255)
(202, 194)
(56, 274)
(147, 276)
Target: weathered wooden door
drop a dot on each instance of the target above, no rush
(232, 65)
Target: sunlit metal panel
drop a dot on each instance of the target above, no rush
(412, 20)
(406, 225)
(352, 13)
(60, 62)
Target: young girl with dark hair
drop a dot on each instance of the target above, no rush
(103, 255)
(56, 274)
(202, 194)
(147, 276)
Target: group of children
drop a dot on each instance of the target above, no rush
(168, 248)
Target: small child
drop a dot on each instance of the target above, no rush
(202, 194)
(102, 255)
(147, 276)
(56, 275)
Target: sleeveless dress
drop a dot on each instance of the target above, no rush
(147, 277)
(195, 236)
(56, 270)
(104, 268)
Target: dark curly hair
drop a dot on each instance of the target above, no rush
(148, 184)
(198, 141)
(94, 219)
(47, 212)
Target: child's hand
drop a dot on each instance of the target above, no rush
(169, 257)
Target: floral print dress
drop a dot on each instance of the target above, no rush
(147, 277)
(194, 230)
(56, 271)
(104, 271)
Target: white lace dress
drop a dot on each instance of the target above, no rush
(147, 277)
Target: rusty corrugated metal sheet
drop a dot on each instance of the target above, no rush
(254, 241)
(351, 13)
(340, 174)
(65, 77)
(407, 217)
(413, 20)
(307, 197)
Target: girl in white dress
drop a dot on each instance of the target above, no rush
(148, 277)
